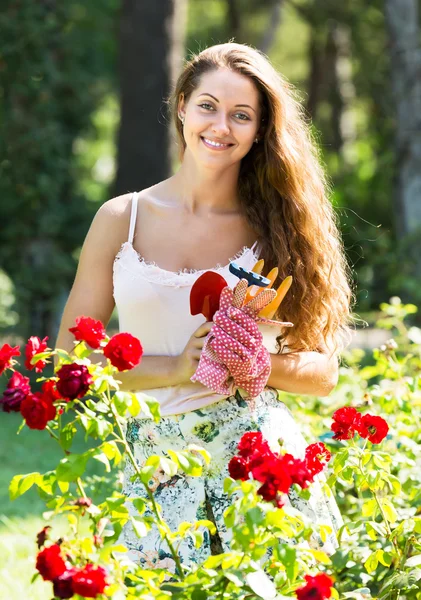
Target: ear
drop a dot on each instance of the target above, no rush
(181, 109)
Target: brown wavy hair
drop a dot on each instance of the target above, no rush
(284, 195)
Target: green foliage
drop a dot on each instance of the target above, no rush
(377, 487)
(50, 83)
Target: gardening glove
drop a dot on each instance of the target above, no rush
(233, 354)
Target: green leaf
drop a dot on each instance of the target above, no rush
(146, 473)
(140, 505)
(197, 537)
(373, 528)
(234, 579)
(66, 435)
(168, 466)
(389, 510)
(40, 356)
(369, 508)
(150, 406)
(122, 401)
(371, 562)
(102, 458)
(112, 451)
(203, 453)
(22, 483)
(140, 527)
(72, 467)
(81, 350)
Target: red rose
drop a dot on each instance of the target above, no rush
(63, 585)
(345, 422)
(298, 470)
(49, 390)
(90, 581)
(90, 331)
(17, 390)
(37, 410)
(238, 468)
(252, 441)
(318, 587)
(35, 346)
(317, 456)
(372, 427)
(124, 351)
(6, 354)
(50, 563)
(73, 381)
(273, 474)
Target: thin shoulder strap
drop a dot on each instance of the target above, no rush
(254, 245)
(133, 217)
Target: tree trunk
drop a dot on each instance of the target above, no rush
(315, 78)
(275, 18)
(405, 60)
(148, 34)
(233, 19)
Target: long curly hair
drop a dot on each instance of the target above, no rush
(284, 195)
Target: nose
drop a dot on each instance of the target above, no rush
(220, 125)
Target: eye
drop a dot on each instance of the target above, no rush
(243, 117)
(206, 105)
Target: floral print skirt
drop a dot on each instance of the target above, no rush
(217, 428)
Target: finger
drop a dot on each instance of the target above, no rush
(203, 330)
(240, 292)
(244, 320)
(195, 355)
(236, 331)
(225, 298)
(223, 338)
(225, 353)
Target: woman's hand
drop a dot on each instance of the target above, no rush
(186, 363)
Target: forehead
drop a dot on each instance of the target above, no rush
(227, 85)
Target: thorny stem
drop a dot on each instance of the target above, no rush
(137, 470)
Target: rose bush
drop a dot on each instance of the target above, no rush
(376, 416)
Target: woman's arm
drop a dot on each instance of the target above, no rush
(310, 373)
(92, 291)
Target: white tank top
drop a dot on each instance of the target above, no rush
(153, 304)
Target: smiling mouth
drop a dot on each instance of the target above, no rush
(215, 145)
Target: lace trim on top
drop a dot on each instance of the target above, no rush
(130, 260)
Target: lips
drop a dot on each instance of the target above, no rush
(208, 143)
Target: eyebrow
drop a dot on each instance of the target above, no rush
(216, 100)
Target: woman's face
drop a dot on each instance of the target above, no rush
(222, 118)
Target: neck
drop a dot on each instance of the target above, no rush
(208, 190)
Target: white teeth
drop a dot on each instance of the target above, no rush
(215, 143)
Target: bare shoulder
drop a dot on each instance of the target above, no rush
(110, 226)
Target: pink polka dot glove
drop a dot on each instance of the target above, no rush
(233, 354)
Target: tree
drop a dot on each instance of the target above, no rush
(52, 59)
(405, 66)
(150, 42)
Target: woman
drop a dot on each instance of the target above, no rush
(249, 186)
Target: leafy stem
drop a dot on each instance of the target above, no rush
(127, 448)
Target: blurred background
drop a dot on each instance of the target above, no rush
(83, 118)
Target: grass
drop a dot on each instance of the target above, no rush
(21, 519)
